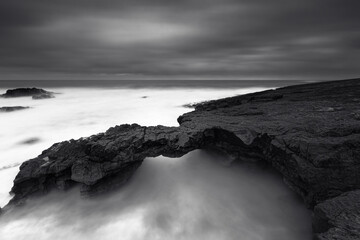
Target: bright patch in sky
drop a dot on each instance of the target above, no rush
(124, 31)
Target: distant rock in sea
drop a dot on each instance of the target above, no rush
(30, 141)
(43, 96)
(35, 93)
(309, 133)
(190, 105)
(12, 109)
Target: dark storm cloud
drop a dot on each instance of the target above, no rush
(179, 39)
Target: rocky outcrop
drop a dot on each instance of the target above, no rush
(12, 109)
(43, 96)
(107, 160)
(35, 93)
(314, 130)
(309, 133)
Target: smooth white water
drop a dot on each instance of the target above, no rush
(193, 197)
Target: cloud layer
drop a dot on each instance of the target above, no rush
(230, 39)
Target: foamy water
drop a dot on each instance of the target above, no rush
(192, 197)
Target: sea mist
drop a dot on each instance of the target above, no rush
(192, 197)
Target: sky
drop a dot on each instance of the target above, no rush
(168, 39)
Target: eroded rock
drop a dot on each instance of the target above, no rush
(35, 93)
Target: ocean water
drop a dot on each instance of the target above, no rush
(193, 197)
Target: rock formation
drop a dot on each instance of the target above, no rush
(11, 109)
(35, 93)
(309, 133)
(43, 96)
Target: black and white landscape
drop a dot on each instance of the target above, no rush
(211, 119)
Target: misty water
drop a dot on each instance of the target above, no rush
(196, 196)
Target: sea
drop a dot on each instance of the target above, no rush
(197, 196)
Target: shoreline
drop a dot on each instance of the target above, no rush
(307, 132)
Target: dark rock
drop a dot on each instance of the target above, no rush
(308, 133)
(12, 109)
(113, 156)
(28, 92)
(43, 96)
(9, 166)
(356, 115)
(316, 151)
(338, 218)
(190, 105)
(30, 141)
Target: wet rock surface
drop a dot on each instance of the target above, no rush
(35, 93)
(309, 133)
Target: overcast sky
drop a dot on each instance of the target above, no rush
(182, 39)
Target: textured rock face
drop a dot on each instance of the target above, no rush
(12, 109)
(309, 133)
(35, 93)
(338, 218)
